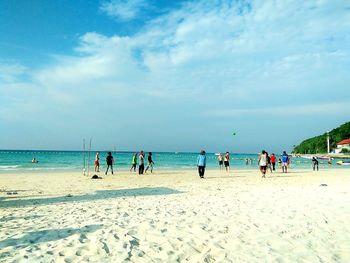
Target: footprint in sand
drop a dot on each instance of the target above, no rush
(105, 247)
(83, 238)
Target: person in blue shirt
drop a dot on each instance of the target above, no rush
(201, 163)
(285, 162)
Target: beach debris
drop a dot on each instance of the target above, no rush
(95, 176)
(69, 195)
(323, 185)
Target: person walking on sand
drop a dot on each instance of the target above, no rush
(134, 162)
(285, 162)
(141, 162)
(221, 162)
(227, 162)
(149, 162)
(263, 163)
(110, 162)
(201, 163)
(97, 162)
(273, 161)
(268, 162)
(314, 163)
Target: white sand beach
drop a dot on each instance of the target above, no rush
(173, 216)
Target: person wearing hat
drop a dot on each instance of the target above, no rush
(201, 163)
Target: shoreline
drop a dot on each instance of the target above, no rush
(323, 167)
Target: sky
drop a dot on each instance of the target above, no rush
(172, 75)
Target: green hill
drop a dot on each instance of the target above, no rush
(318, 144)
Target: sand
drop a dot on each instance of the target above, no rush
(303, 216)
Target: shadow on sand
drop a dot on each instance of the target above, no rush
(32, 238)
(98, 195)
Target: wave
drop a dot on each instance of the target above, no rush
(8, 166)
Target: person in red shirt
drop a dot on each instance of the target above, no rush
(273, 161)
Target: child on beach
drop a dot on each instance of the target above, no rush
(220, 161)
(141, 161)
(110, 162)
(149, 162)
(263, 162)
(97, 162)
(134, 162)
(227, 162)
(201, 163)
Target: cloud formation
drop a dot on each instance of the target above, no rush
(207, 58)
(124, 9)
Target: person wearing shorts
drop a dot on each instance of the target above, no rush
(285, 162)
(263, 163)
(227, 162)
(149, 163)
(134, 162)
(314, 163)
(97, 162)
(221, 162)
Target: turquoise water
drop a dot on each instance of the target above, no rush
(15, 160)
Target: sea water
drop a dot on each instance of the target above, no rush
(20, 160)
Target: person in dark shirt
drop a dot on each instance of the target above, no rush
(110, 162)
(141, 162)
(149, 162)
(314, 163)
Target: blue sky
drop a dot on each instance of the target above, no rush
(151, 75)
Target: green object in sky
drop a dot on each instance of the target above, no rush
(234, 133)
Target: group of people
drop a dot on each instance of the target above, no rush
(269, 162)
(224, 161)
(141, 158)
(265, 162)
(134, 162)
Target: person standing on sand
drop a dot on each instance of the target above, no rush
(273, 161)
(149, 162)
(263, 162)
(314, 163)
(268, 162)
(285, 162)
(220, 161)
(142, 162)
(134, 162)
(279, 162)
(227, 162)
(97, 162)
(110, 162)
(201, 163)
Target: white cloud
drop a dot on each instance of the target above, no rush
(217, 58)
(332, 109)
(124, 9)
(217, 48)
(9, 72)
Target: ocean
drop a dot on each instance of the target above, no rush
(20, 160)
